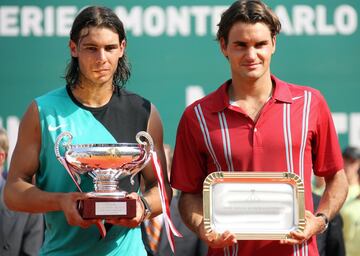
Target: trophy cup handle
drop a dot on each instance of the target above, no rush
(58, 155)
(57, 142)
(147, 142)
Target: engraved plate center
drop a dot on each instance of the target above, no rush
(110, 208)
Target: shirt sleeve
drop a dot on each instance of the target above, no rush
(327, 157)
(189, 163)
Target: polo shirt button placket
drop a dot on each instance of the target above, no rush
(254, 136)
(257, 141)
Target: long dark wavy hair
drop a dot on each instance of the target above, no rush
(96, 16)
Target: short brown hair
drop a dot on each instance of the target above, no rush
(4, 140)
(247, 11)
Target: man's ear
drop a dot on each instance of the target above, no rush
(122, 47)
(274, 44)
(73, 49)
(223, 47)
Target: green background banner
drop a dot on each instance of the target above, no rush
(175, 58)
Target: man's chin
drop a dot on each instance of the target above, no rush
(103, 79)
(251, 76)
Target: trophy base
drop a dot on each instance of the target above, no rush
(107, 208)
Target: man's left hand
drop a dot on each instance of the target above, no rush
(313, 226)
(134, 222)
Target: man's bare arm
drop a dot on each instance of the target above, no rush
(334, 195)
(332, 200)
(20, 194)
(191, 211)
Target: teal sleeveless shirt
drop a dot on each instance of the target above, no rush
(59, 111)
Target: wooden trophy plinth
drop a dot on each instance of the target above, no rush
(107, 208)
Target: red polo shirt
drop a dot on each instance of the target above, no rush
(294, 133)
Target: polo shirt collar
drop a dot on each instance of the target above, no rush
(282, 91)
(220, 98)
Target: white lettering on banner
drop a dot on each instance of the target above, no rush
(197, 20)
(65, 17)
(154, 21)
(216, 14)
(35, 21)
(177, 21)
(8, 21)
(132, 17)
(307, 20)
(31, 21)
(49, 21)
(321, 24)
(303, 17)
(343, 13)
(171, 20)
(200, 14)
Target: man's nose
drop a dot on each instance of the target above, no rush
(251, 53)
(101, 56)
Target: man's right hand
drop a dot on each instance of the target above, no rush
(69, 205)
(216, 240)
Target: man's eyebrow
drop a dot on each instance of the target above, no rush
(89, 44)
(94, 44)
(262, 42)
(238, 42)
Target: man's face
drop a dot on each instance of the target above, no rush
(249, 50)
(98, 53)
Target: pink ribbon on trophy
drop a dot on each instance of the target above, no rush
(169, 226)
(100, 224)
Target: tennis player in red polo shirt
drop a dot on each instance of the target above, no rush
(256, 122)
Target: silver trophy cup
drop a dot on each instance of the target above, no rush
(106, 164)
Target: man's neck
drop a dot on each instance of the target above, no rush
(244, 90)
(251, 95)
(93, 96)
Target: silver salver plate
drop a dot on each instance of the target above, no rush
(254, 205)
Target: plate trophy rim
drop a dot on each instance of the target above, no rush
(241, 176)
